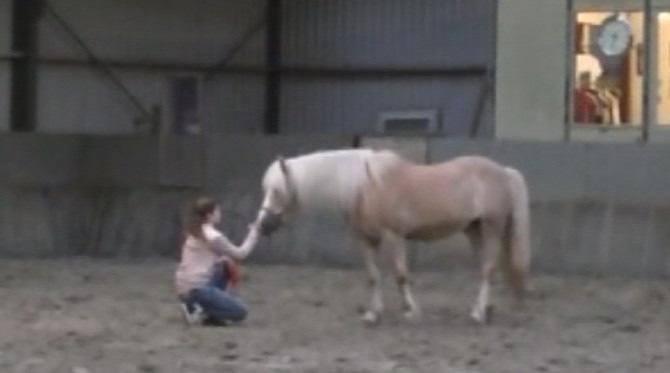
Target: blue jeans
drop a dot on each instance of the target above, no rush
(216, 303)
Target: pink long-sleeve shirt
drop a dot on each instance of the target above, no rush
(199, 255)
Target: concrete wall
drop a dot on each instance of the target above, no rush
(125, 195)
(597, 209)
(27, 160)
(530, 70)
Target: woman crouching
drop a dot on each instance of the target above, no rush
(208, 268)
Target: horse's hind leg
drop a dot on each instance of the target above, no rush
(491, 244)
(474, 234)
(410, 307)
(373, 313)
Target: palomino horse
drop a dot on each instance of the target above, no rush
(387, 199)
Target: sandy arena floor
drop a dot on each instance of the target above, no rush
(79, 316)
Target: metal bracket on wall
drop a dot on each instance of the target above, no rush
(484, 93)
(146, 116)
(23, 64)
(236, 48)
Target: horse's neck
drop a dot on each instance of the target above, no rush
(329, 180)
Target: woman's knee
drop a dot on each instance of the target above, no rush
(239, 312)
(219, 304)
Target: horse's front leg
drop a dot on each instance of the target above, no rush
(373, 313)
(410, 307)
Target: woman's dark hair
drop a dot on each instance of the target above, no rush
(198, 213)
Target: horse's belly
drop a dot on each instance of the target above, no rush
(433, 232)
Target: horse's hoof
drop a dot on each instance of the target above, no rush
(488, 315)
(412, 316)
(484, 317)
(477, 317)
(371, 319)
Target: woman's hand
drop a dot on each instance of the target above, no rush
(253, 227)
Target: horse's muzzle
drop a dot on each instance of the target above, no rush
(270, 222)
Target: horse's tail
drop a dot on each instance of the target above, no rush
(517, 251)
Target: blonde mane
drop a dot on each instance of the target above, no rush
(324, 179)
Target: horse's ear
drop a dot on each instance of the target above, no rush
(282, 164)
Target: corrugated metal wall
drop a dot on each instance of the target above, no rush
(5, 47)
(80, 99)
(385, 33)
(234, 103)
(408, 34)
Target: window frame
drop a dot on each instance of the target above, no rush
(594, 132)
(658, 7)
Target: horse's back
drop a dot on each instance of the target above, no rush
(336, 155)
(470, 163)
(450, 194)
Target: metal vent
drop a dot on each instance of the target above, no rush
(411, 122)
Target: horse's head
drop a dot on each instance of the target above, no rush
(280, 197)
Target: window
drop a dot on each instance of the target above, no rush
(608, 68)
(663, 68)
(183, 104)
